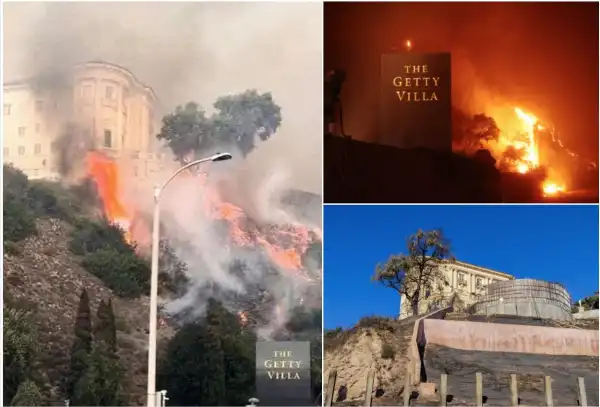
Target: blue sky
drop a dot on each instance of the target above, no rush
(554, 243)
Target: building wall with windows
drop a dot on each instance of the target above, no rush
(112, 109)
(466, 280)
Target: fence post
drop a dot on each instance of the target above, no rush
(581, 391)
(548, 391)
(443, 389)
(514, 391)
(407, 389)
(479, 389)
(330, 388)
(369, 394)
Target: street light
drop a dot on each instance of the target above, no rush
(154, 274)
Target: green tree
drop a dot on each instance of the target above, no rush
(82, 344)
(239, 352)
(19, 219)
(100, 385)
(19, 349)
(417, 272)
(105, 330)
(124, 273)
(193, 369)
(239, 120)
(28, 395)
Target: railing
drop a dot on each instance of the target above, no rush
(408, 394)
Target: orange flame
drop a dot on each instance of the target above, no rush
(105, 174)
(526, 144)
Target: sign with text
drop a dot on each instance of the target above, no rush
(283, 373)
(416, 101)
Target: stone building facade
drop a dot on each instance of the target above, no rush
(110, 107)
(466, 280)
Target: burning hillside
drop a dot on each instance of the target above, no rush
(282, 248)
(525, 145)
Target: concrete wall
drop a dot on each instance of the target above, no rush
(510, 338)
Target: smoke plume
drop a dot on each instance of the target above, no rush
(196, 52)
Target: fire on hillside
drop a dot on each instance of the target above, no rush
(526, 150)
(284, 245)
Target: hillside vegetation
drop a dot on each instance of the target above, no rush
(76, 313)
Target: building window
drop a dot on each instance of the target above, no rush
(39, 106)
(21, 131)
(462, 280)
(37, 127)
(109, 92)
(21, 150)
(7, 109)
(6, 151)
(107, 139)
(37, 149)
(478, 282)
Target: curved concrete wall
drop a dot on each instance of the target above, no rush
(526, 297)
(510, 338)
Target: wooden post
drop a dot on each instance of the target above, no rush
(369, 394)
(479, 389)
(548, 390)
(581, 392)
(514, 391)
(330, 388)
(407, 389)
(443, 389)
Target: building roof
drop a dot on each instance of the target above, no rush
(482, 269)
(24, 82)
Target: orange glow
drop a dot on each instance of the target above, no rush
(524, 142)
(284, 245)
(551, 189)
(105, 174)
(243, 316)
(286, 256)
(408, 44)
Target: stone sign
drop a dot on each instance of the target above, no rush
(283, 373)
(415, 101)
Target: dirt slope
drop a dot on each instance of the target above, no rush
(48, 278)
(353, 352)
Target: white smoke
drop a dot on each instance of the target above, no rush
(198, 52)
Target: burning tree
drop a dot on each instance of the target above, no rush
(417, 272)
(470, 133)
(239, 119)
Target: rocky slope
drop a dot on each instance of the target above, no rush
(379, 344)
(353, 352)
(42, 274)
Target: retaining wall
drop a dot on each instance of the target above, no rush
(509, 338)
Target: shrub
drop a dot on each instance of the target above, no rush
(12, 248)
(376, 322)
(19, 220)
(387, 352)
(123, 272)
(89, 236)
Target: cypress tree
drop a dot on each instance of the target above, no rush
(106, 330)
(82, 344)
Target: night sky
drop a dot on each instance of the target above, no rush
(542, 57)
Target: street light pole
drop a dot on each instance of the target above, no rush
(154, 273)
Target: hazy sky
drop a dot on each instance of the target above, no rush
(191, 51)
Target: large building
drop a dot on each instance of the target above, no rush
(466, 280)
(107, 105)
